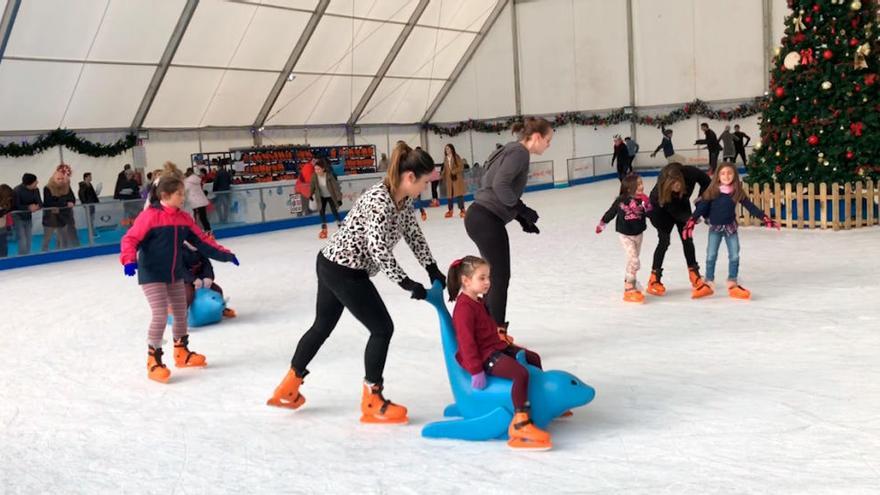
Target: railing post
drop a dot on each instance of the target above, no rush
(262, 207)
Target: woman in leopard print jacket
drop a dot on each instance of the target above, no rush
(358, 250)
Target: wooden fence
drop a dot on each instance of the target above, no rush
(822, 206)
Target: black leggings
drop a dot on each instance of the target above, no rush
(740, 152)
(340, 287)
(663, 222)
(201, 215)
(489, 233)
(434, 185)
(460, 200)
(333, 208)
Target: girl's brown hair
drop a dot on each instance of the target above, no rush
(462, 267)
(531, 125)
(629, 185)
(168, 185)
(714, 189)
(405, 159)
(7, 198)
(169, 168)
(668, 176)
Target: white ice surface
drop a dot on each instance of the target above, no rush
(780, 394)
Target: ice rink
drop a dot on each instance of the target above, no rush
(780, 394)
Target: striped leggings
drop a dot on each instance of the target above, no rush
(160, 297)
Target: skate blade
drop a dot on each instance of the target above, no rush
(186, 365)
(388, 421)
(296, 404)
(529, 446)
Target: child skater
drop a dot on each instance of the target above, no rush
(630, 207)
(718, 206)
(155, 244)
(200, 274)
(481, 352)
(326, 187)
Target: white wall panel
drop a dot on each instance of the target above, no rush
(35, 94)
(409, 133)
(375, 135)
(104, 169)
(395, 10)
(42, 165)
(107, 96)
(136, 30)
(317, 136)
(485, 88)
(461, 142)
(317, 100)
(663, 35)
(729, 66)
(348, 46)
(223, 139)
(601, 68)
(43, 28)
(176, 146)
(779, 12)
(546, 38)
(430, 53)
(238, 98)
(400, 101)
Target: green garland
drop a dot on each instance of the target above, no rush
(686, 111)
(68, 139)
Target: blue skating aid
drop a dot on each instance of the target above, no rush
(486, 414)
(206, 309)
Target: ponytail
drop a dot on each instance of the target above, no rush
(461, 267)
(405, 159)
(529, 126)
(168, 184)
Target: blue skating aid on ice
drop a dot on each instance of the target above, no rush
(486, 414)
(206, 309)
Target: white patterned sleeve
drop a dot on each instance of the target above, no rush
(415, 238)
(377, 245)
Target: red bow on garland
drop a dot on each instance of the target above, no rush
(807, 57)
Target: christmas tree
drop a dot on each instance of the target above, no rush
(822, 117)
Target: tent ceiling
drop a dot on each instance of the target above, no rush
(88, 64)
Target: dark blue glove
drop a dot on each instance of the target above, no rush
(436, 275)
(130, 269)
(417, 290)
(234, 260)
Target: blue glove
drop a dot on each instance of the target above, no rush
(234, 260)
(478, 381)
(130, 269)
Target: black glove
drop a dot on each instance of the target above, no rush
(528, 214)
(339, 203)
(436, 275)
(416, 289)
(527, 227)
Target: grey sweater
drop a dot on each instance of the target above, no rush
(504, 180)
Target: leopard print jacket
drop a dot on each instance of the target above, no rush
(370, 231)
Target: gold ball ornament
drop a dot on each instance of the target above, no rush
(788, 142)
(758, 146)
(821, 155)
(778, 154)
(856, 5)
(826, 85)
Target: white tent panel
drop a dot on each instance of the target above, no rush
(394, 10)
(721, 59)
(400, 101)
(663, 35)
(485, 87)
(107, 96)
(2, 5)
(601, 66)
(238, 98)
(174, 146)
(330, 48)
(546, 38)
(136, 30)
(313, 100)
(270, 39)
(183, 97)
(215, 32)
(457, 14)
(45, 28)
(293, 4)
(430, 52)
(35, 94)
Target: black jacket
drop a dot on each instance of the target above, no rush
(222, 181)
(711, 141)
(25, 197)
(680, 207)
(630, 213)
(129, 184)
(197, 266)
(741, 141)
(87, 193)
(55, 210)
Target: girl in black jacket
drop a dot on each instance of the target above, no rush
(671, 207)
(630, 207)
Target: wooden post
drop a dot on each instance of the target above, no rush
(847, 209)
(759, 201)
(835, 206)
(777, 201)
(858, 186)
(768, 200)
(799, 199)
(811, 200)
(870, 190)
(823, 202)
(788, 210)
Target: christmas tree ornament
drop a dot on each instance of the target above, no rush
(827, 54)
(794, 120)
(813, 140)
(856, 5)
(850, 155)
(798, 23)
(861, 55)
(853, 42)
(791, 60)
(780, 92)
(826, 85)
(821, 155)
(788, 142)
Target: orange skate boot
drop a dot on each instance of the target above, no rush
(185, 358)
(287, 393)
(633, 295)
(323, 233)
(701, 288)
(461, 213)
(156, 370)
(524, 435)
(375, 408)
(448, 214)
(737, 291)
(424, 216)
(229, 313)
(655, 287)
